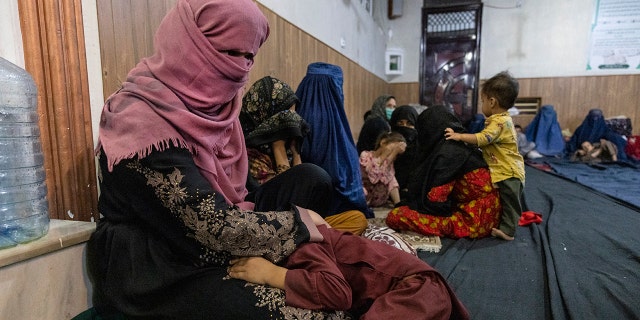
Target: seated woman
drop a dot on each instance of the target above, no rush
(273, 134)
(330, 143)
(592, 129)
(403, 120)
(378, 176)
(544, 130)
(526, 148)
(450, 192)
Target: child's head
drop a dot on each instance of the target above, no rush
(518, 128)
(499, 93)
(388, 138)
(587, 146)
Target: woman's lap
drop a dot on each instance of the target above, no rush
(144, 279)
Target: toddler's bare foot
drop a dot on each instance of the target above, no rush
(499, 234)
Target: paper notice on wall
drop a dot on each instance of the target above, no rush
(615, 36)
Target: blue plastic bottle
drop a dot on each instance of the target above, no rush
(24, 209)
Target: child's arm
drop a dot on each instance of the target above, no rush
(280, 156)
(394, 194)
(449, 134)
(311, 279)
(258, 270)
(391, 151)
(296, 155)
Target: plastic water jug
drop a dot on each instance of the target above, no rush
(24, 208)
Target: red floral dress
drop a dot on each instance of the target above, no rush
(476, 211)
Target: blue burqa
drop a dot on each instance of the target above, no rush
(592, 129)
(545, 131)
(330, 144)
(477, 123)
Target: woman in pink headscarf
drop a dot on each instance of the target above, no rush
(173, 167)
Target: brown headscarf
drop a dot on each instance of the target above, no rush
(189, 92)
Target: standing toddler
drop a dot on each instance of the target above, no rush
(498, 141)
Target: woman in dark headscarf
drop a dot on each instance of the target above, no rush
(403, 120)
(450, 191)
(273, 134)
(173, 168)
(592, 129)
(330, 144)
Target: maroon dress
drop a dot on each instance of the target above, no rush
(370, 279)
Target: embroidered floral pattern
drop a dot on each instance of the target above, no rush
(274, 299)
(222, 232)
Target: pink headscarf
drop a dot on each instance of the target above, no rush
(189, 92)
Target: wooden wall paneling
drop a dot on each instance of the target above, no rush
(573, 97)
(53, 38)
(126, 32)
(143, 30)
(124, 50)
(107, 45)
(289, 51)
(405, 93)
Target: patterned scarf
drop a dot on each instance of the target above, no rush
(266, 117)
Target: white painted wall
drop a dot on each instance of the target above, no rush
(541, 38)
(331, 21)
(94, 63)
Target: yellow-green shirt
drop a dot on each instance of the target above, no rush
(498, 141)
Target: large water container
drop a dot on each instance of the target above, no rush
(24, 209)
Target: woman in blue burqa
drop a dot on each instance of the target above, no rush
(330, 144)
(545, 131)
(592, 129)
